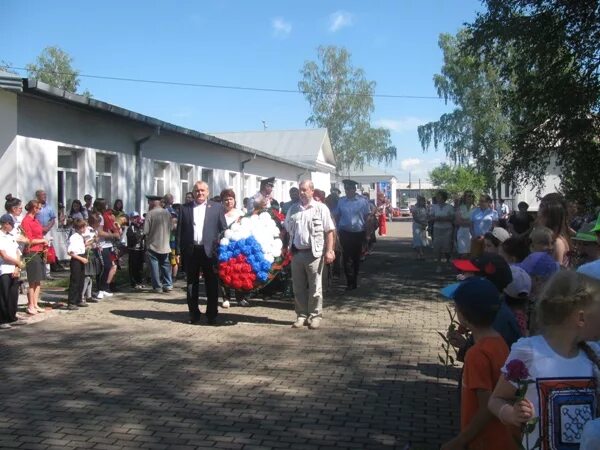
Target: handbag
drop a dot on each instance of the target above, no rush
(51, 256)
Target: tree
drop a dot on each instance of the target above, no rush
(478, 129)
(549, 50)
(458, 179)
(53, 67)
(341, 99)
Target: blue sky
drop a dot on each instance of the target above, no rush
(245, 43)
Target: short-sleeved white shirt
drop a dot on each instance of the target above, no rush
(10, 246)
(563, 395)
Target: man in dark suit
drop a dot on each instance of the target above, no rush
(198, 228)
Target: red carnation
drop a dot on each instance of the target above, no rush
(516, 371)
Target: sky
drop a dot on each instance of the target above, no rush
(261, 44)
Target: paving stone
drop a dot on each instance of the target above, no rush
(129, 372)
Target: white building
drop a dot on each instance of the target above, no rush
(70, 145)
(311, 147)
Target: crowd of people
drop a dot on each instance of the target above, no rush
(176, 239)
(527, 328)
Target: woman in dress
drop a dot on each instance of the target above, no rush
(483, 220)
(231, 215)
(108, 232)
(35, 253)
(443, 215)
(553, 214)
(382, 209)
(419, 226)
(463, 222)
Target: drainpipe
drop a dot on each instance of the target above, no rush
(138, 168)
(243, 172)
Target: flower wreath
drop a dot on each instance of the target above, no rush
(252, 251)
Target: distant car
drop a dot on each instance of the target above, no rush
(401, 212)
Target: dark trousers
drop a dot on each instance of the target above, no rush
(197, 260)
(9, 298)
(352, 243)
(102, 279)
(136, 266)
(76, 281)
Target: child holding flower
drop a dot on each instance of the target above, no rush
(477, 302)
(550, 382)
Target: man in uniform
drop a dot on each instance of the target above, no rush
(351, 215)
(311, 227)
(262, 199)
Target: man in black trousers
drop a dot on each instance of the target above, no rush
(198, 228)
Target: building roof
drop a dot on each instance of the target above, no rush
(308, 146)
(365, 171)
(36, 88)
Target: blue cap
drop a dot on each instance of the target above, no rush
(539, 264)
(7, 218)
(477, 294)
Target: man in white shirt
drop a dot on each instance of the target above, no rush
(311, 227)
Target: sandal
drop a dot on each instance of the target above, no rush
(40, 309)
(30, 312)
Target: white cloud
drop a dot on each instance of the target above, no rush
(339, 20)
(410, 163)
(281, 28)
(401, 125)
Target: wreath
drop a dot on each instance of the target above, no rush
(252, 251)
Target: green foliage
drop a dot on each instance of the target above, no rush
(53, 67)
(457, 179)
(547, 54)
(341, 99)
(478, 128)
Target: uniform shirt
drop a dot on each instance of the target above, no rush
(259, 197)
(351, 213)
(483, 220)
(10, 246)
(301, 219)
(199, 215)
(76, 244)
(45, 215)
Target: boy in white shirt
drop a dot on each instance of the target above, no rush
(77, 251)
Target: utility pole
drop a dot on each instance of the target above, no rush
(264, 122)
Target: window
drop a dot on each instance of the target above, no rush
(67, 177)
(103, 176)
(185, 175)
(160, 170)
(207, 177)
(507, 192)
(233, 183)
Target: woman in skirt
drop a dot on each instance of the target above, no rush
(35, 253)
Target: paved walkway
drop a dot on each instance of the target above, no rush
(130, 373)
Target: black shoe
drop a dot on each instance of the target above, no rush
(211, 320)
(194, 321)
(92, 300)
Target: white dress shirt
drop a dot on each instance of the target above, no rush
(199, 214)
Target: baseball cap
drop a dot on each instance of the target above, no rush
(477, 294)
(591, 269)
(134, 214)
(520, 284)
(488, 265)
(499, 233)
(7, 218)
(539, 264)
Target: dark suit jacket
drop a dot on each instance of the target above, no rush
(214, 224)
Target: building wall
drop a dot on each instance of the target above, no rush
(8, 144)
(33, 131)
